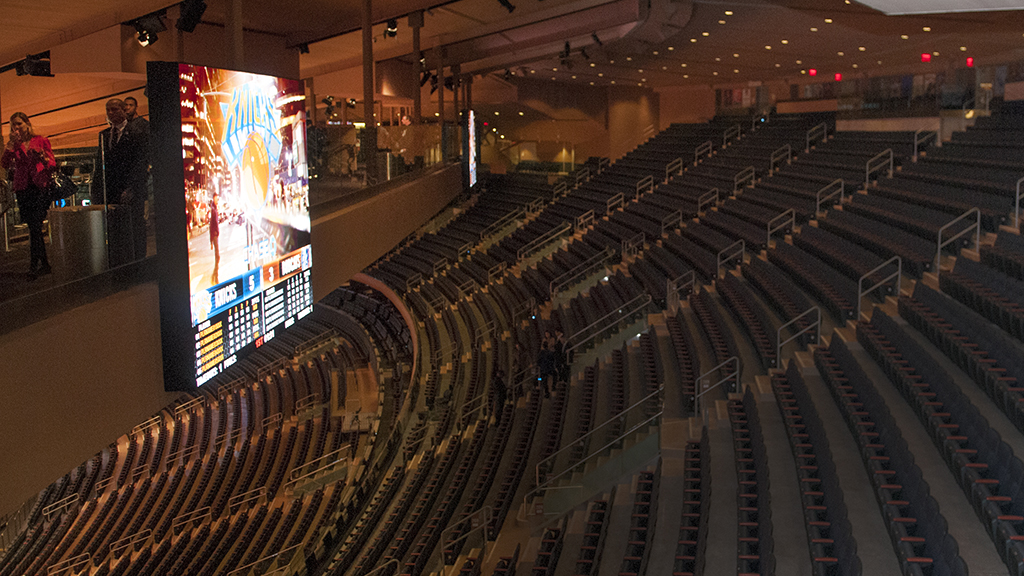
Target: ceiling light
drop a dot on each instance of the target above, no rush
(502, 136)
(629, 58)
(735, 55)
(705, 33)
(854, 65)
(554, 69)
(718, 59)
(905, 37)
(592, 65)
(573, 76)
(520, 113)
(664, 67)
(715, 73)
(879, 61)
(533, 71)
(552, 77)
(728, 12)
(655, 52)
(861, 48)
(927, 28)
(803, 71)
(814, 29)
(148, 26)
(840, 54)
(828, 20)
(686, 75)
(600, 74)
(392, 29)
(496, 113)
(693, 39)
(963, 48)
(778, 65)
(671, 48)
(641, 70)
(785, 41)
(735, 71)
(591, 83)
(683, 64)
(611, 61)
(767, 47)
(799, 61)
(613, 81)
(936, 53)
(721, 21)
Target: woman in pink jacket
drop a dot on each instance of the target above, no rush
(31, 159)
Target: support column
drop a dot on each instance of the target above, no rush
(369, 144)
(416, 22)
(469, 92)
(440, 101)
(234, 34)
(312, 100)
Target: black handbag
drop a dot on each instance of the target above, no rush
(61, 186)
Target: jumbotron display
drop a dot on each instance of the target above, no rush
(246, 192)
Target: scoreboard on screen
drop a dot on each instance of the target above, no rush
(233, 229)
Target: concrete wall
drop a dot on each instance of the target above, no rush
(75, 382)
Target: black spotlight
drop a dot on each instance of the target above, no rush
(303, 48)
(508, 74)
(329, 101)
(148, 26)
(34, 65)
(392, 30)
(566, 51)
(427, 76)
(351, 103)
(508, 5)
(191, 13)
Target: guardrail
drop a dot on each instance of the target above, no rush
(730, 252)
(582, 175)
(536, 205)
(898, 275)
(816, 326)
(780, 222)
(876, 163)
(584, 220)
(673, 168)
(496, 272)
(75, 564)
(977, 235)
(784, 152)
(500, 223)
(613, 203)
(484, 333)
(580, 271)
(732, 132)
(743, 179)
(467, 288)
(828, 192)
(471, 407)
(920, 137)
(315, 467)
(674, 287)
(440, 265)
(813, 134)
(607, 322)
(117, 547)
(671, 222)
(436, 302)
(266, 562)
(307, 402)
(644, 186)
(603, 163)
(221, 439)
(524, 309)
(59, 506)
(183, 520)
(272, 420)
(478, 520)
(537, 243)
(148, 424)
(700, 390)
(236, 502)
(413, 282)
(184, 453)
(632, 246)
(560, 189)
(704, 150)
(192, 404)
(709, 197)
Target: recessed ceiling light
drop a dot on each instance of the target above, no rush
(785, 41)
(705, 33)
(735, 55)
(828, 20)
(533, 71)
(629, 58)
(936, 53)
(715, 73)
(611, 61)
(573, 76)
(803, 71)
(552, 77)
(502, 136)
(728, 12)
(735, 71)
(683, 64)
(963, 48)
(799, 61)
(554, 69)
(767, 47)
(643, 79)
(639, 83)
(437, 114)
(496, 113)
(640, 70)
(904, 37)
(520, 113)
(778, 65)
(814, 29)
(664, 67)
(927, 28)
(686, 75)
(671, 48)
(591, 83)
(721, 21)
(879, 61)
(613, 81)
(655, 52)
(693, 39)
(600, 74)
(854, 65)
(840, 54)
(861, 48)
(718, 59)
(592, 65)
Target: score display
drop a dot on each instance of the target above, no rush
(231, 159)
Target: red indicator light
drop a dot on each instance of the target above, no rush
(812, 72)
(970, 62)
(926, 57)
(839, 77)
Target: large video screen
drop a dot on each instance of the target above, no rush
(246, 204)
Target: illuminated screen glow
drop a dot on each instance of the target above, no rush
(243, 150)
(471, 129)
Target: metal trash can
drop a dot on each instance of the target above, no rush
(78, 240)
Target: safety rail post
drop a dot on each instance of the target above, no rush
(440, 266)
(674, 168)
(743, 178)
(645, 185)
(941, 244)
(124, 543)
(709, 197)
(75, 564)
(184, 519)
(413, 282)
(496, 272)
(828, 192)
(730, 252)
(1016, 206)
(609, 320)
(297, 474)
(632, 246)
(467, 288)
(731, 132)
(582, 175)
(580, 270)
(59, 506)
(812, 134)
(306, 402)
(148, 424)
(534, 206)
(502, 222)
(559, 190)
(524, 309)
(920, 137)
(784, 152)
(584, 220)
(602, 164)
(703, 150)
(873, 165)
(543, 239)
(478, 520)
(671, 221)
(436, 303)
(674, 286)
(898, 275)
(470, 407)
(698, 391)
(483, 334)
(235, 502)
(7, 239)
(816, 326)
(614, 202)
(787, 217)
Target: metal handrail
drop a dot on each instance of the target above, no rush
(560, 189)
(696, 384)
(524, 308)
(772, 229)
(673, 286)
(72, 564)
(502, 222)
(151, 423)
(536, 205)
(307, 401)
(602, 163)
(187, 517)
(813, 132)
(733, 132)
(581, 269)
(816, 326)
(645, 184)
(631, 247)
(332, 465)
(746, 175)
(250, 496)
(582, 175)
(614, 202)
(704, 149)
(671, 221)
(127, 541)
(484, 524)
(709, 197)
(441, 265)
(60, 506)
(674, 167)
(543, 239)
(248, 567)
(871, 166)
(472, 406)
(190, 405)
(826, 193)
(730, 255)
(898, 274)
(413, 281)
(496, 272)
(466, 288)
(784, 151)
(941, 244)
(640, 302)
(920, 137)
(584, 220)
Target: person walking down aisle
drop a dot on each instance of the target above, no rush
(31, 159)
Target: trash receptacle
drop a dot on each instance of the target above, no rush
(79, 243)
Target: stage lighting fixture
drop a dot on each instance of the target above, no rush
(593, 36)
(426, 77)
(508, 74)
(566, 51)
(303, 48)
(191, 14)
(351, 103)
(392, 29)
(148, 26)
(33, 65)
(508, 5)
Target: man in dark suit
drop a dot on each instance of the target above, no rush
(120, 178)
